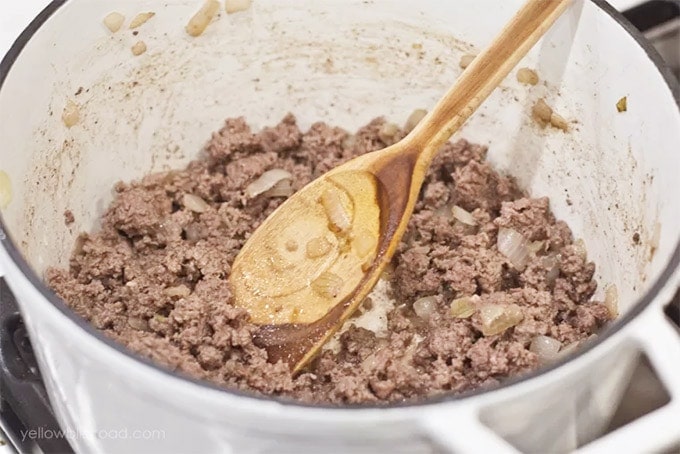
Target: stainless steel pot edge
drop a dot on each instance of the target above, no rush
(7, 243)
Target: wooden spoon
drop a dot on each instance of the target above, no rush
(312, 262)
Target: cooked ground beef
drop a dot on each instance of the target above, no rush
(155, 276)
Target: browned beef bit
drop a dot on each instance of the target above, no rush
(69, 218)
(234, 141)
(155, 277)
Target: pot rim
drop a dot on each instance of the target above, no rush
(643, 302)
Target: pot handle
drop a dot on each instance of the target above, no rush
(463, 433)
(658, 338)
(654, 335)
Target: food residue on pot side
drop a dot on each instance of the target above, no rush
(611, 300)
(235, 6)
(71, 114)
(527, 76)
(465, 60)
(138, 48)
(69, 218)
(622, 104)
(114, 21)
(5, 190)
(141, 19)
(200, 21)
(544, 115)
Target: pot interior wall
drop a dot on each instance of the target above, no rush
(343, 62)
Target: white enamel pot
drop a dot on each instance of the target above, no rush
(612, 177)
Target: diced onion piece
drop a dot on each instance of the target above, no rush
(622, 104)
(444, 211)
(570, 348)
(463, 215)
(138, 323)
(376, 359)
(536, 246)
(180, 291)
(388, 133)
(327, 285)
(114, 21)
(559, 122)
(140, 19)
(546, 348)
(580, 247)
(81, 239)
(415, 118)
(463, 307)
(465, 60)
(5, 190)
(364, 243)
(541, 112)
(349, 142)
(425, 307)
(318, 247)
(513, 246)
(388, 272)
(71, 114)
(338, 217)
(544, 116)
(496, 318)
(267, 181)
(407, 357)
(283, 188)
(367, 305)
(138, 48)
(527, 76)
(552, 264)
(370, 363)
(234, 6)
(611, 300)
(195, 203)
(200, 21)
(194, 232)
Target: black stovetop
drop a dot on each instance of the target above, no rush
(24, 405)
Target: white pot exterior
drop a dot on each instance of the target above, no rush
(345, 62)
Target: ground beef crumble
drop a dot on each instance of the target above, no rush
(155, 276)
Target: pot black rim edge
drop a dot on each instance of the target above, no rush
(15, 51)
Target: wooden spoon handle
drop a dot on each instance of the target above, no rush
(484, 74)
